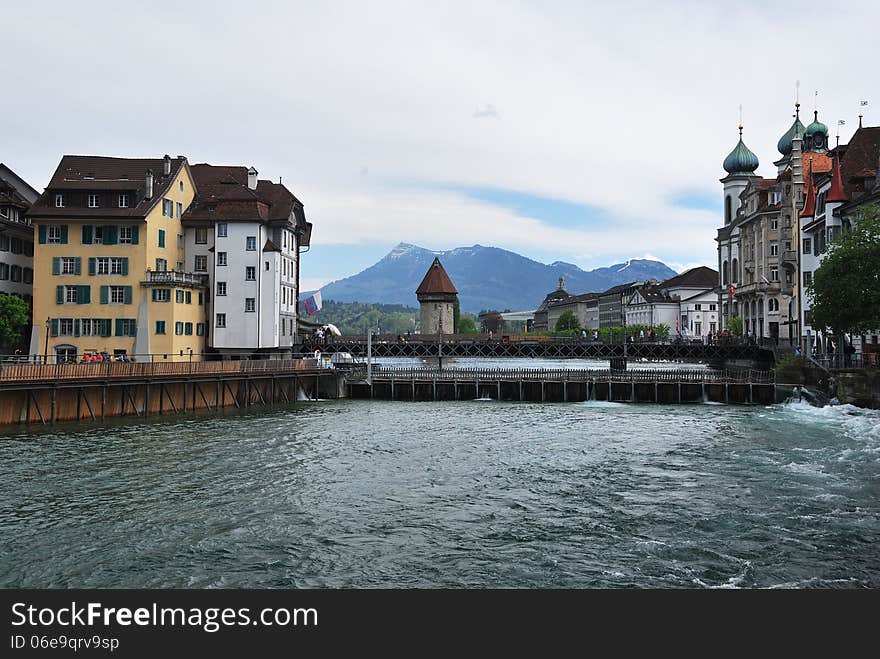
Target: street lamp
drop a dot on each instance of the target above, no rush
(46, 350)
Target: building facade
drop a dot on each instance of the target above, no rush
(245, 236)
(612, 304)
(585, 308)
(109, 262)
(437, 297)
(16, 236)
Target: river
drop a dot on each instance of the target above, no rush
(456, 494)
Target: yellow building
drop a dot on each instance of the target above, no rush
(109, 262)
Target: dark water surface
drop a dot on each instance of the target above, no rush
(460, 494)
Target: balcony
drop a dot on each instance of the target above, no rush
(175, 278)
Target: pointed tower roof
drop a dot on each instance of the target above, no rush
(836, 193)
(436, 281)
(809, 193)
(741, 161)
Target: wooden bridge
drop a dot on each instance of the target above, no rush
(536, 346)
(564, 385)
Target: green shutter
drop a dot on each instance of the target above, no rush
(105, 294)
(87, 232)
(132, 327)
(92, 265)
(128, 294)
(155, 296)
(105, 327)
(77, 265)
(110, 235)
(134, 235)
(161, 238)
(56, 265)
(189, 297)
(125, 266)
(41, 230)
(76, 327)
(54, 330)
(59, 294)
(118, 331)
(84, 295)
(63, 234)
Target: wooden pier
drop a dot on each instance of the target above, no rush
(46, 393)
(567, 385)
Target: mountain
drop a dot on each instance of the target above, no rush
(486, 278)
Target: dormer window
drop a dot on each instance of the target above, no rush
(93, 201)
(124, 200)
(59, 201)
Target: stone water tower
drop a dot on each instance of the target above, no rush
(437, 297)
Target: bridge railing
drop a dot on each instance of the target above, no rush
(617, 339)
(697, 376)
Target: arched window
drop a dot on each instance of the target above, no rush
(724, 274)
(734, 272)
(728, 209)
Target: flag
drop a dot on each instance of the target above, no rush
(841, 122)
(313, 303)
(731, 290)
(863, 103)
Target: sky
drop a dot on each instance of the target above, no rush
(590, 133)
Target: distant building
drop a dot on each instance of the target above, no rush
(585, 308)
(109, 261)
(542, 320)
(686, 303)
(16, 236)
(612, 303)
(437, 297)
(245, 236)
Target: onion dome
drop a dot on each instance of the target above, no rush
(836, 193)
(797, 128)
(741, 161)
(816, 127)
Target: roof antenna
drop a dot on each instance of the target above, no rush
(279, 180)
(797, 99)
(840, 122)
(862, 104)
(740, 120)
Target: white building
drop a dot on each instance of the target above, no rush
(246, 235)
(686, 303)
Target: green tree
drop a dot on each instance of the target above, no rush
(567, 321)
(662, 331)
(845, 291)
(466, 325)
(14, 317)
(735, 326)
(456, 316)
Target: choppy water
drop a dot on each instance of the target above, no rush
(460, 494)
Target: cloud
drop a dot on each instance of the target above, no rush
(487, 111)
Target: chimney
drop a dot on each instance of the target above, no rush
(149, 182)
(252, 178)
(167, 169)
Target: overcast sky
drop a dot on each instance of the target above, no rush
(589, 133)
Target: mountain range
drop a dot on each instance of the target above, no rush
(486, 278)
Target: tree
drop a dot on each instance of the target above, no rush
(662, 331)
(466, 325)
(845, 291)
(14, 317)
(735, 326)
(567, 321)
(456, 315)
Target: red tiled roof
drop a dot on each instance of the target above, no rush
(223, 194)
(436, 281)
(809, 194)
(859, 161)
(836, 193)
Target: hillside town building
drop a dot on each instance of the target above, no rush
(16, 236)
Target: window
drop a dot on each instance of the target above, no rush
(54, 234)
(201, 263)
(221, 230)
(774, 249)
(90, 327)
(68, 265)
(4, 243)
(179, 209)
(178, 328)
(15, 246)
(201, 298)
(221, 320)
(103, 264)
(167, 208)
(28, 248)
(118, 266)
(201, 236)
(774, 274)
(774, 224)
(70, 294)
(200, 329)
(181, 186)
(221, 288)
(179, 241)
(161, 295)
(161, 238)
(267, 265)
(188, 329)
(808, 278)
(28, 275)
(117, 295)
(125, 235)
(178, 296)
(15, 273)
(250, 273)
(65, 327)
(698, 307)
(160, 327)
(59, 201)
(712, 307)
(189, 297)
(93, 201)
(161, 265)
(98, 236)
(251, 243)
(250, 304)
(221, 258)
(123, 200)
(4, 271)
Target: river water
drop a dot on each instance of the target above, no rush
(458, 494)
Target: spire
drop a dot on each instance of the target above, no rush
(436, 281)
(809, 194)
(836, 192)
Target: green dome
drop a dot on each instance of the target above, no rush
(817, 126)
(741, 161)
(784, 145)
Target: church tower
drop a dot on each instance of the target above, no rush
(437, 297)
(740, 166)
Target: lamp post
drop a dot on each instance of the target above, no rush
(46, 349)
